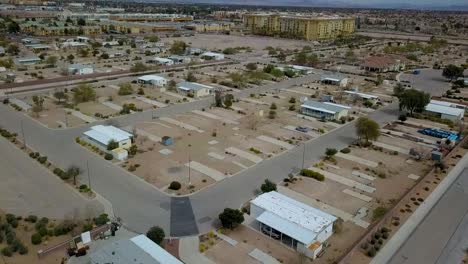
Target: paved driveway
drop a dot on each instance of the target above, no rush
(428, 80)
(28, 188)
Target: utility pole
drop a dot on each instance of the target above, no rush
(189, 169)
(66, 118)
(303, 155)
(22, 132)
(89, 175)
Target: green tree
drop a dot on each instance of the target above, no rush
(330, 152)
(84, 93)
(70, 58)
(190, 77)
(60, 95)
(229, 51)
(269, 68)
(367, 129)
(51, 60)
(125, 89)
(171, 85)
(38, 104)
(277, 73)
(228, 98)
(178, 47)
(13, 27)
(398, 90)
(268, 186)
(153, 38)
(112, 145)
(81, 22)
(13, 49)
(83, 52)
(413, 100)
(452, 72)
(156, 234)
(231, 218)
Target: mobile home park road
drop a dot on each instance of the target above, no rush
(139, 204)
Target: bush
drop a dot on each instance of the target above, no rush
(268, 186)
(101, 219)
(312, 174)
(36, 239)
(7, 252)
(31, 219)
(10, 218)
(371, 252)
(22, 249)
(63, 228)
(329, 152)
(108, 156)
(43, 231)
(231, 218)
(42, 159)
(156, 234)
(345, 150)
(175, 185)
(379, 212)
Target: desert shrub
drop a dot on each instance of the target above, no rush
(36, 239)
(108, 156)
(31, 219)
(7, 252)
(175, 185)
(63, 228)
(101, 219)
(345, 150)
(312, 174)
(42, 159)
(371, 252)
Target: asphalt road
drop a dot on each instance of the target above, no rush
(443, 235)
(429, 80)
(31, 189)
(138, 203)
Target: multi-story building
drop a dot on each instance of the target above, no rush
(210, 27)
(301, 27)
(58, 29)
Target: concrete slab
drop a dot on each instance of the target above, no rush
(274, 141)
(229, 240)
(20, 103)
(297, 92)
(181, 124)
(356, 159)
(414, 177)
(263, 257)
(240, 164)
(150, 136)
(213, 142)
(391, 148)
(113, 86)
(314, 203)
(212, 173)
(82, 116)
(344, 181)
(151, 102)
(244, 154)
(189, 252)
(111, 105)
(215, 117)
(253, 101)
(362, 175)
(216, 155)
(354, 194)
(161, 124)
(165, 151)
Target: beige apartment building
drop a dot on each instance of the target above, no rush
(301, 27)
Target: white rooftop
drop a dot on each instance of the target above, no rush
(162, 59)
(362, 95)
(293, 218)
(104, 134)
(151, 77)
(155, 251)
(212, 54)
(446, 110)
(449, 104)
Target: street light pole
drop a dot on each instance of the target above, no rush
(89, 175)
(303, 155)
(22, 132)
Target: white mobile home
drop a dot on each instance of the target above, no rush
(102, 135)
(212, 56)
(195, 89)
(153, 80)
(80, 69)
(325, 110)
(295, 224)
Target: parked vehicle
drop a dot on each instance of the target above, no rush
(302, 129)
(270, 232)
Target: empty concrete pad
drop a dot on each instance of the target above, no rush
(240, 164)
(150, 136)
(151, 102)
(216, 155)
(253, 101)
(215, 117)
(244, 154)
(212, 173)
(263, 257)
(345, 181)
(229, 240)
(274, 141)
(362, 175)
(213, 142)
(20, 103)
(391, 148)
(310, 133)
(359, 160)
(181, 124)
(82, 116)
(165, 151)
(414, 177)
(354, 194)
(111, 105)
(182, 218)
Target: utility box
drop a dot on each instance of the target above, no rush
(436, 155)
(166, 141)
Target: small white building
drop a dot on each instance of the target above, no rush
(110, 43)
(180, 59)
(28, 60)
(102, 135)
(295, 224)
(444, 112)
(80, 69)
(364, 96)
(161, 61)
(195, 89)
(139, 249)
(153, 80)
(2, 51)
(324, 110)
(212, 56)
(74, 44)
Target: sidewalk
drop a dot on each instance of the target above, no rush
(397, 240)
(188, 251)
